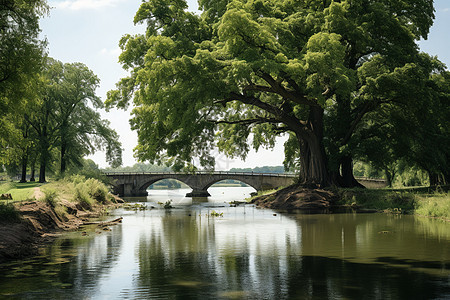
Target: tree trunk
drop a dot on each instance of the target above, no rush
(348, 179)
(42, 172)
(63, 158)
(436, 179)
(24, 168)
(43, 157)
(33, 170)
(389, 177)
(341, 132)
(313, 160)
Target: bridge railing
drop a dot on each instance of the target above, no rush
(204, 173)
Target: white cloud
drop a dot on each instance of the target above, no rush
(113, 52)
(445, 9)
(83, 4)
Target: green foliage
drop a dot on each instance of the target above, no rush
(264, 169)
(89, 191)
(378, 199)
(135, 206)
(216, 214)
(9, 214)
(437, 205)
(97, 190)
(51, 197)
(335, 75)
(88, 169)
(140, 167)
(21, 52)
(60, 124)
(82, 196)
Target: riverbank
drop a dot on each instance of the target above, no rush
(427, 202)
(52, 209)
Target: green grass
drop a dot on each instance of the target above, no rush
(377, 199)
(434, 205)
(19, 191)
(420, 201)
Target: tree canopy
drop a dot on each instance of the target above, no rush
(21, 51)
(318, 71)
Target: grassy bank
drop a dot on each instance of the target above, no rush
(53, 207)
(64, 196)
(420, 201)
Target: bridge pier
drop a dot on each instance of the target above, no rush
(198, 193)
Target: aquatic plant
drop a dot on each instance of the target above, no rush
(135, 206)
(168, 205)
(216, 214)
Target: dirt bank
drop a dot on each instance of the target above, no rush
(40, 224)
(297, 197)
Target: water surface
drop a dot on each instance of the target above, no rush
(247, 253)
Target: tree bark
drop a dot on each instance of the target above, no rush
(348, 179)
(24, 168)
(42, 171)
(313, 160)
(63, 157)
(44, 155)
(33, 170)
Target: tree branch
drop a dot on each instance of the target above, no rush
(278, 88)
(258, 120)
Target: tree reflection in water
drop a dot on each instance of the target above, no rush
(249, 253)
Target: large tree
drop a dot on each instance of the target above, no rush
(64, 117)
(309, 68)
(21, 58)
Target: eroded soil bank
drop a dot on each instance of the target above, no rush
(41, 224)
(297, 197)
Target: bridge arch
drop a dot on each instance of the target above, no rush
(136, 184)
(247, 182)
(147, 183)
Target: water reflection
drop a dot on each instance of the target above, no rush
(249, 253)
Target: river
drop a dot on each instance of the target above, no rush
(206, 249)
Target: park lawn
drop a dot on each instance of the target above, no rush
(19, 191)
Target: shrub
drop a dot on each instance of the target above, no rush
(437, 205)
(82, 195)
(51, 197)
(97, 190)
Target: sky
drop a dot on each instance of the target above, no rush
(88, 31)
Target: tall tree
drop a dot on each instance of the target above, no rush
(64, 117)
(21, 58)
(264, 68)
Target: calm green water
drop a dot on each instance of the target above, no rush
(248, 253)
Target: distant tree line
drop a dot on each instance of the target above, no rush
(265, 169)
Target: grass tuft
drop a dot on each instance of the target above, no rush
(51, 197)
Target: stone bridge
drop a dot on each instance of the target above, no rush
(136, 184)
